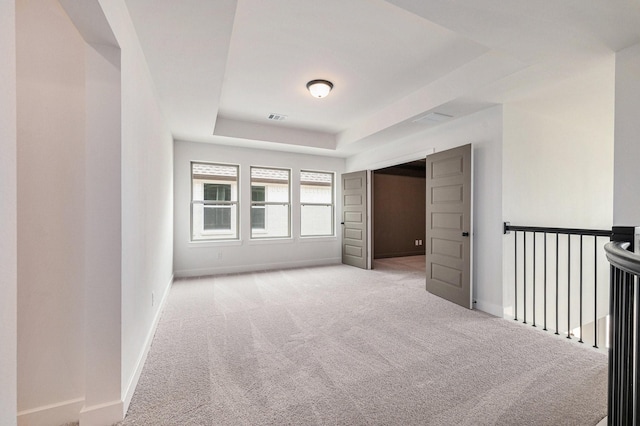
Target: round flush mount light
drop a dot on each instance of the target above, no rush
(319, 88)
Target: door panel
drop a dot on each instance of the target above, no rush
(354, 219)
(448, 232)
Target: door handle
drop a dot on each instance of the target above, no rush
(465, 234)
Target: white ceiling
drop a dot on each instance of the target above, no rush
(221, 67)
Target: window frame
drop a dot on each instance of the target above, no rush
(332, 204)
(263, 233)
(215, 235)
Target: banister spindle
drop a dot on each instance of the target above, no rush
(524, 276)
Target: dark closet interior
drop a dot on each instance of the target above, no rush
(399, 210)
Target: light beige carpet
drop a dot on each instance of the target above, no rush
(340, 345)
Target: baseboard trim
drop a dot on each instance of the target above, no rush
(52, 414)
(399, 254)
(102, 414)
(184, 273)
(133, 382)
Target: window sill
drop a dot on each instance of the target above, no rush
(214, 243)
(317, 239)
(260, 241)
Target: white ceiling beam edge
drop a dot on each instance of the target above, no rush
(184, 76)
(471, 77)
(88, 17)
(273, 133)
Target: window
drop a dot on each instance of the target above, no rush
(258, 211)
(214, 201)
(270, 203)
(217, 216)
(316, 204)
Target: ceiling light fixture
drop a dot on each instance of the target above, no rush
(319, 88)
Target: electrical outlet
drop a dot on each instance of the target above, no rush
(419, 242)
(416, 242)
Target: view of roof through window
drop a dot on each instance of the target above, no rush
(213, 170)
(316, 178)
(269, 174)
(306, 177)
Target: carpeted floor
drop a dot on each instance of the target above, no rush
(343, 346)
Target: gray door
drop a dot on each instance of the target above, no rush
(354, 219)
(448, 232)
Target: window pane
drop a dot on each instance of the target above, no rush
(214, 222)
(316, 199)
(217, 192)
(316, 187)
(316, 221)
(215, 175)
(276, 222)
(214, 209)
(257, 217)
(257, 193)
(270, 208)
(275, 182)
(217, 217)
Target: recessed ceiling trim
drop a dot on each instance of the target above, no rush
(270, 132)
(433, 117)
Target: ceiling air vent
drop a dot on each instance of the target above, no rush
(432, 117)
(276, 117)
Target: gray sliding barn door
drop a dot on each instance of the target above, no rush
(354, 219)
(448, 232)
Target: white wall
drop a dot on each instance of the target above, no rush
(626, 204)
(51, 125)
(559, 174)
(558, 153)
(8, 219)
(558, 170)
(95, 206)
(484, 131)
(202, 258)
(103, 232)
(147, 201)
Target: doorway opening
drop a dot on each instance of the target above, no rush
(398, 216)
